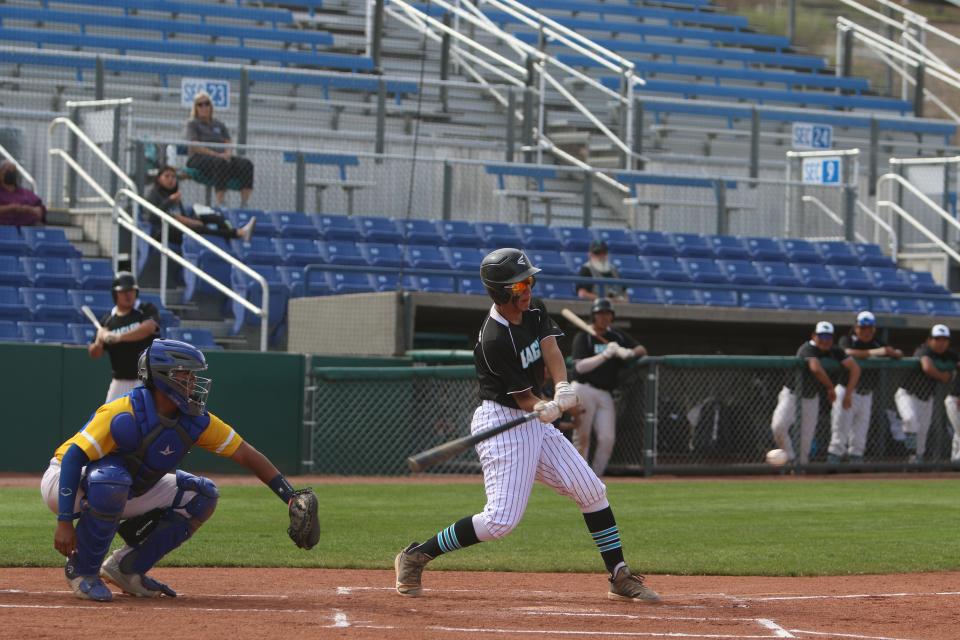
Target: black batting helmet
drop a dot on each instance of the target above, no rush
(601, 304)
(124, 281)
(503, 267)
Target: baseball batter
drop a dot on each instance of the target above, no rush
(914, 399)
(812, 379)
(848, 429)
(125, 332)
(515, 344)
(121, 467)
(598, 364)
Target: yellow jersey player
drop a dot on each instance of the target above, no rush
(118, 473)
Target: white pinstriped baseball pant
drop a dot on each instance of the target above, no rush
(785, 414)
(514, 459)
(849, 427)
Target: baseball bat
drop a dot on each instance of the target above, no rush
(579, 322)
(87, 311)
(448, 450)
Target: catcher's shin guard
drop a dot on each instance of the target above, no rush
(107, 486)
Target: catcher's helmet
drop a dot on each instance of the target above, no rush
(161, 367)
(601, 304)
(503, 267)
(124, 281)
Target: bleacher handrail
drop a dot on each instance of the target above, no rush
(23, 172)
(882, 224)
(830, 213)
(889, 180)
(124, 219)
(64, 154)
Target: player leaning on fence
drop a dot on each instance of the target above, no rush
(814, 379)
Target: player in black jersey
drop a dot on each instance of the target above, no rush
(515, 344)
(126, 332)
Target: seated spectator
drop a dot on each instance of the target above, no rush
(165, 195)
(218, 165)
(18, 206)
(598, 266)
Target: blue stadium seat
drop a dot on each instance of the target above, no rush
(44, 332)
(92, 273)
(49, 305)
(923, 282)
(575, 258)
(796, 302)
(692, 245)
(574, 238)
(342, 252)
(703, 270)
(642, 294)
(498, 234)
(81, 332)
(654, 243)
(852, 277)
(421, 232)
(535, 236)
(838, 252)
(350, 282)
(252, 291)
(680, 296)
(801, 251)
(872, 255)
(12, 306)
(375, 229)
(550, 262)
(833, 302)
(729, 248)
(9, 331)
(876, 304)
(464, 258)
(719, 297)
(200, 338)
(618, 240)
(666, 269)
(765, 250)
(259, 250)
(297, 252)
(425, 257)
(313, 282)
(911, 306)
(758, 300)
(554, 289)
(49, 241)
(100, 302)
(240, 217)
(49, 271)
(472, 286)
(205, 259)
(12, 273)
(943, 306)
(741, 272)
(11, 242)
(630, 266)
(816, 276)
(385, 281)
(167, 318)
(779, 274)
(889, 279)
(459, 233)
(333, 227)
(380, 254)
(432, 284)
(293, 224)
(293, 278)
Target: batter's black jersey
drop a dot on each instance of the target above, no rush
(922, 386)
(124, 355)
(508, 356)
(868, 377)
(810, 386)
(606, 375)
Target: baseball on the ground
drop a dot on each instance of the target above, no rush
(777, 457)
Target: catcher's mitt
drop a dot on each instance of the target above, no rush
(304, 527)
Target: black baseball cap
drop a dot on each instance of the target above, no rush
(598, 246)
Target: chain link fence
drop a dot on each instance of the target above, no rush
(675, 414)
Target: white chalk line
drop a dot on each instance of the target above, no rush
(628, 634)
(181, 593)
(94, 605)
(834, 634)
(778, 631)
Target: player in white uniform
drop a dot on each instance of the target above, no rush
(515, 344)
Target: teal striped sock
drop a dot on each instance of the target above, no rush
(457, 536)
(606, 535)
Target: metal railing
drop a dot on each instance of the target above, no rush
(846, 180)
(23, 172)
(69, 160)
(886, 201)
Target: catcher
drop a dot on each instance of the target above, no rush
(118, 474)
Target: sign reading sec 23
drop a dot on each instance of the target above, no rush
(219, 91)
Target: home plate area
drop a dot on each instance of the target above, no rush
(235, 604)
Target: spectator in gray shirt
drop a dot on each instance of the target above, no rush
(217, 165)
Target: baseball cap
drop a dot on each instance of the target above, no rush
(866, 319)
(939, 331)
(598, 246)
(824, 327)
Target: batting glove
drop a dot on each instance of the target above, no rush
(549, 411)
(610, 351)
(625, 353)
(565, 396)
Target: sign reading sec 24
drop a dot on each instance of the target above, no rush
(219, 91)
(812, 136)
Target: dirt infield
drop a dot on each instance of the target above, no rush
(235, 604)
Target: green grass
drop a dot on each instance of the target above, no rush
(817, 527)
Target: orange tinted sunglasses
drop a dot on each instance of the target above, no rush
(523, 285)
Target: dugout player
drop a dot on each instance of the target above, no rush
(813, 380)
(848, 429)
(515, 344)
(125, 332)
(122, 467)
(914, 399)
(598, 364)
